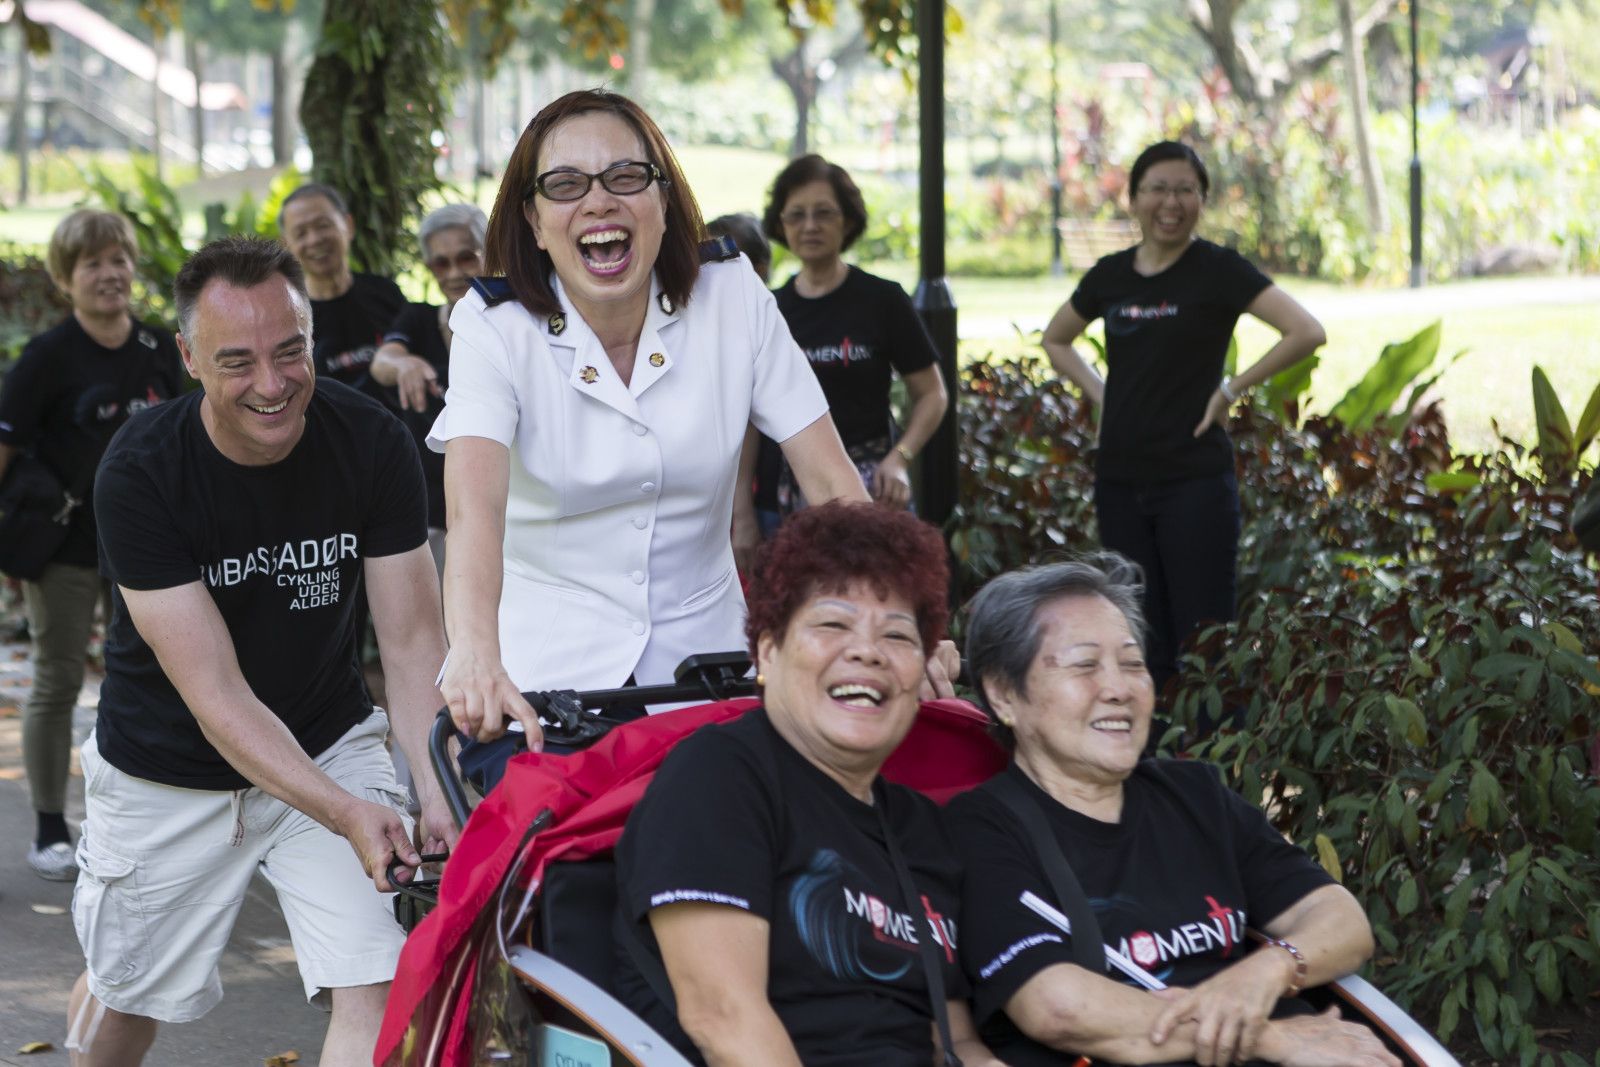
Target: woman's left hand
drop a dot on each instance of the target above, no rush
(891, 482)
(1216, 412)
(944, 667)
(1229, 1009)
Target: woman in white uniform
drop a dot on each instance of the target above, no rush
(598, 400)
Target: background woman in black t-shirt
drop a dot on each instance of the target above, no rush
(414, 359)
(758, 868)
(1165, 494)
(73, 386)
(1174, 865)
(856, 329)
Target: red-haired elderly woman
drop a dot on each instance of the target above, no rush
(767, 866)
(73, 386)
(598, 399)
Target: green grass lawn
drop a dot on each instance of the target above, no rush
(1506, 327)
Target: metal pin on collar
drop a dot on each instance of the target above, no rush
(657, 359)
(589, 375)
(558, 324)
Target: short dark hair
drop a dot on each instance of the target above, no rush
(1003, 635)
(242, 262)
(510, 248)
(1165, 152)
(825, 548)
(804, 171)
(310, 189)
(745, 229)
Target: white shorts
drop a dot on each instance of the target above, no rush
(162, 873)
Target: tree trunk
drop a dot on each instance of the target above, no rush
(796, 72)
(19, 114)
(638, 67)
(156, 43)
(1355, 64)
(191, 50)
(282, 114)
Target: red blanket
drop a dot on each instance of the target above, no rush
(589, 795)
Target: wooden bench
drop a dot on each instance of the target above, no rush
(1083, 241)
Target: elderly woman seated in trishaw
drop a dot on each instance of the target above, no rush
(1174, 865)
(791, 905)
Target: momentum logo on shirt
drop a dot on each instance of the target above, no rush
(1163, 310)
(898, 926)
(842, 353)
(1222, 932)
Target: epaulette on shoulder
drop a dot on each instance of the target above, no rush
(495, 290)
(718, 249)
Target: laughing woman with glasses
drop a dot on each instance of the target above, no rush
(599, 395)
(1165, 494)
(857, 331)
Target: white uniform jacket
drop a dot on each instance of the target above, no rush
(617, 553)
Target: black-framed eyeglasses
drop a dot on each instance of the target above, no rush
(622, 179)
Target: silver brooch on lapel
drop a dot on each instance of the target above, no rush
(666, 303)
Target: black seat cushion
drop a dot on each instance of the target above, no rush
(575, 913)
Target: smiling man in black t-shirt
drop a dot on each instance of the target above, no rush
(235, 733)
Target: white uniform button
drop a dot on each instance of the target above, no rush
(648, 487)
(638, 629)
(640, 523)
(638, 577)
(638, 430)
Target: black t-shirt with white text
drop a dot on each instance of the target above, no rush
(1173, 885)
(1167, 339)
(346, 330)
(67, 394)
(417, 327)
(736, 816)
(852, 338)
(279, 548)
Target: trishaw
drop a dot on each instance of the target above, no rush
(512, 951)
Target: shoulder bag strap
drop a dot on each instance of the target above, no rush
(917, 904)
(1088, 948)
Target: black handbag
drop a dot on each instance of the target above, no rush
(1586, 518)
(35, 513)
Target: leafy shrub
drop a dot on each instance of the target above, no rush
(1414, 698)
(30, 303)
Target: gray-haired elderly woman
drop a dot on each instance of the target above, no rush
(415, 357)
(1175, 865)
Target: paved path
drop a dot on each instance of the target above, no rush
(264, 1012)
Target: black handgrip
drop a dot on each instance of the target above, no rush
(407, 889)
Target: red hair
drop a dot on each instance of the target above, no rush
(826, 548)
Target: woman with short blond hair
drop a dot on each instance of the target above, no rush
(70, 390)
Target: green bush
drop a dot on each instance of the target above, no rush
(1415, 698)
(30, 303)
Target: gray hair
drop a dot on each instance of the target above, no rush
(745, 229)
(241, 262)
(468, 216)
(1003, 635)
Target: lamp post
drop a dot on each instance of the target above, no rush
(937, 489)
(1056, 268)
(1416, 162)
